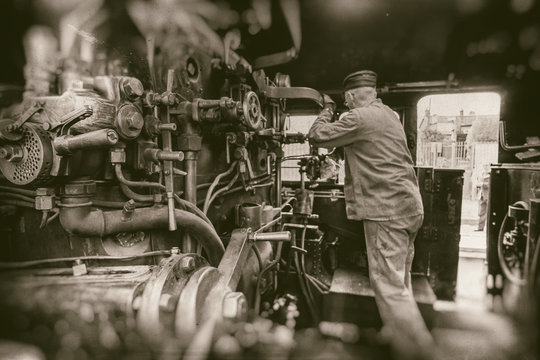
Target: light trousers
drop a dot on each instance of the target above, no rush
(390, 250)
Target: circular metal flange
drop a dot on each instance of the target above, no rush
(159, 299)
(251, 107)
(35, 166)
(191, 303)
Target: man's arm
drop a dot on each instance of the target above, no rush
(325, 134)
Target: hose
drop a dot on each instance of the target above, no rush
(274, 263)
(303, 285)
(18, 191)
(208, 201)
(302, 265)
(30, 263)
(215, 183)
(17, 197)
(318, 284)
(270, 183)
(192, 208)
(238, 188)
(19, 203)
(258, 256)
(223, 182)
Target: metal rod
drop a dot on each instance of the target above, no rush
(67, 144)
(272, 236)
(268, 225)
(25, 264)
(300, 226)
(170, 205)
(168, 165)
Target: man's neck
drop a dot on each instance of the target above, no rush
(364, 103)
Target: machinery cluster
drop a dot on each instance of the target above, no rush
(154, 215)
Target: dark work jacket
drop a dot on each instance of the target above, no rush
(380, 182)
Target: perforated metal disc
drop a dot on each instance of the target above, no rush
(35, 166)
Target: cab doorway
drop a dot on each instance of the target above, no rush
(460, 131)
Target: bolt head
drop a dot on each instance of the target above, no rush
(129, 121)
(166, 302)
(187, 264)
(133, 88)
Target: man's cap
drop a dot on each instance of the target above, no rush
(360, 79)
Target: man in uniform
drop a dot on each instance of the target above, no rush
(381, 189)
(483, 195)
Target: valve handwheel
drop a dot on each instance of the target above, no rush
(251, 107)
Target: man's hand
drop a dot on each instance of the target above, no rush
(329, 169)
(328, 103)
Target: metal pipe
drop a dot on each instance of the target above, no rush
(268, 225)
(30, 263)
(223, 182)
(238, 188)
(171, 208)
(299, 226)
(17, 197)
(18, 191)
(271, 236)
(117, 204)
(192, 208)
(67, 144)
(270, 183)
(216, 182)
(157, 155)
(287, 202)
(130, 194)
(84, 221)
(123, 180)
(19, 203)
(220, 191)
(191, 177)
(190, 188)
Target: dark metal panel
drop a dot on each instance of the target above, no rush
(509, 183)
(437, 243)
(424, 239)
(446, 210)
(497, 207)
